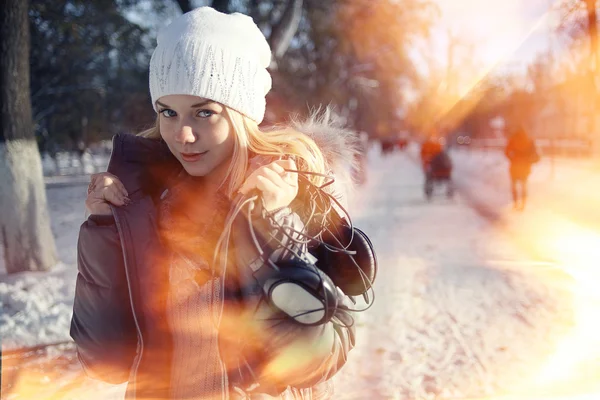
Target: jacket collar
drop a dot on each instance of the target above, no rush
(142, 164)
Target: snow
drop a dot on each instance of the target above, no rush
(462, 308)
(450, 318)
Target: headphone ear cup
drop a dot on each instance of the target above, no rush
(302, 291)
(354, 274)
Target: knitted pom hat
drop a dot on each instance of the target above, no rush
(221, 57)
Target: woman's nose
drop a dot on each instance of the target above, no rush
(185, 134)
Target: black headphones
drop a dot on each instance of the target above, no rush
(305, 285)
(294, 285)
(324, 262)
(299, 289)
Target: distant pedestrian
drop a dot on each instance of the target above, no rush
(522, 154)
(437, 165)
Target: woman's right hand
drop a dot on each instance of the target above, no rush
(105, 189)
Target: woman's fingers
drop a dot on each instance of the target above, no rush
(276, 178)
(273, 172)
(106, 179)
(120, 185)
(278, 187)
(114, 195)
(276, 167)
(105, 189)
(266, 185)
(285, 166)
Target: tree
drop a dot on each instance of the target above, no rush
(282, 19)
(579, 26)
(352, 54)
(89, 70)
(24, 223)
(592, 28)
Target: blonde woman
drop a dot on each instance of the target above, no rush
(166, 296)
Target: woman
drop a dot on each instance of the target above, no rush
(166, 295)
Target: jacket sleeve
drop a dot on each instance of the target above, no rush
(304, 356)
(102, 325)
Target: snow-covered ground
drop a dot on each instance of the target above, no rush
(467, 304)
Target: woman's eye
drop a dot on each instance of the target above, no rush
(205, 113)
(168, 113)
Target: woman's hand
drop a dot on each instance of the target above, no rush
(278, 187)
(105, 189)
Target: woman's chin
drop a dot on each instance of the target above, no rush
(195, 168)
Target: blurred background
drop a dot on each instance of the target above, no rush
(389, 67)
(478, 296)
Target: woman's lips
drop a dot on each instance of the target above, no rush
(192, 157)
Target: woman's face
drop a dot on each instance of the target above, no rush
(198, 134)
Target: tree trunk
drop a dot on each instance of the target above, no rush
(593, 33)
(25, 232)
(594, 64)
(286, 28)
(184, 5)
(219, 5)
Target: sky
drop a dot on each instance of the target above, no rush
(508, 32)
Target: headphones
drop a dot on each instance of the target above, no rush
(319, 269)
(305, 285)
(300, 290)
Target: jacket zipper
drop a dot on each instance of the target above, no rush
(140, 343)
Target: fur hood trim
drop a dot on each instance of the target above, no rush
(339, 145)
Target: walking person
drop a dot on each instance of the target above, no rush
(522, 154)
(176, 293)
(437, 165)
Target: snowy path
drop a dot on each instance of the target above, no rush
(454, 315)
(450, 320)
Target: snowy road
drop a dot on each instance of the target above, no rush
(460, 309)
(453, 316)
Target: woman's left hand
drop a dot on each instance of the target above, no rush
(277, 186)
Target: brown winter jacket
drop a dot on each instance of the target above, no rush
(119, 322)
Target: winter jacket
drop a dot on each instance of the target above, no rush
(119, 322)
(522, 154)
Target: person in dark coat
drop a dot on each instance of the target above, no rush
(436, 164)
(522, 154)
(166, 295)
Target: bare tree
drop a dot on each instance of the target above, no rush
(285, 29)
(185, 5)
(24, 224)
(592, 17)
(282, 30)
(220, 5)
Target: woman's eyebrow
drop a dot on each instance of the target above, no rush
(201, 104)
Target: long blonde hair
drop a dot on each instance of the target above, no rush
(251, 140)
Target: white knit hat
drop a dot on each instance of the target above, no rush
(221, 57)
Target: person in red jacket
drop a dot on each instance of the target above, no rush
(430, 148)
(436, 164)
(173, 293)
(522, 154)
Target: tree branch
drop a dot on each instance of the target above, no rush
(184, 5)
(221, 5)
(284, 30)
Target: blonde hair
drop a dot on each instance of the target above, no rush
(281, 141)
